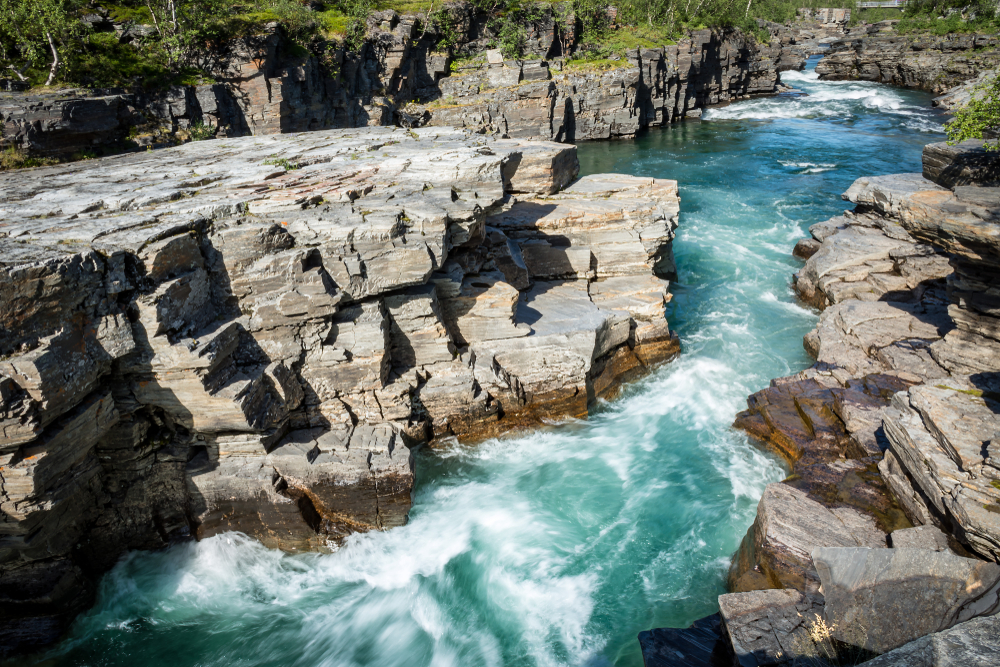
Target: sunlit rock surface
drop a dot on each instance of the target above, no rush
(254, 333)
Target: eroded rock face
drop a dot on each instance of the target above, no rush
(402, 76)
(542, 100)
(253, 334)
(928, 62)
(770, 627)
(896, 419)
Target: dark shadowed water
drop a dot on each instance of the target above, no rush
(557, 547)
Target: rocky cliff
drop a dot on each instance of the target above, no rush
(650, 87)
(895, 425)
(926, 62)
(402, 76)
(255, 334)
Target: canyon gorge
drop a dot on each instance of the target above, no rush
(411, 344)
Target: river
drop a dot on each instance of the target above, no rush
(557, 547)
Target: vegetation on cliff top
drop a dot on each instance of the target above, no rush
(981, 116)
(157, 43)
(943, 17)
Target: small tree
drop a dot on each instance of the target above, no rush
(980, 114)
(39, 29)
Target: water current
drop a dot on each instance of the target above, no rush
(558, 546)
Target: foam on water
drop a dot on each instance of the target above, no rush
(557, 547)
(848, 100)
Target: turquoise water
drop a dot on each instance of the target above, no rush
(557, 547)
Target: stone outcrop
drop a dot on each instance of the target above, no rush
(702, 644)
(255, 334)
(926, 62)
(975, 643)
(402, 76)
(545, 100)
(880, 599)
(809, 34)
(770, 627)
(894, 424)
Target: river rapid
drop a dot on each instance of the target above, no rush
(557, 547)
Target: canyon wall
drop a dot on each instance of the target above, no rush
(650, 87)
(891, 435)
(925, 62)
(401, 76)
(256, 333)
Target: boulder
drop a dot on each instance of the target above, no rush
(965, 163)
(776, 551)
(770, 627)
(880, 599)
(975, 643)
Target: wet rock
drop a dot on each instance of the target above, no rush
(702, 644)
(880, 599)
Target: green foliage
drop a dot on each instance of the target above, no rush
(357, 12)
(508, 24)
(980, 115)
(942, 17)
(35, 33)
(200, 132)
(281, 162)
(333, 22)
(15, 158)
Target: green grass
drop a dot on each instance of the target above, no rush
(333, 22)
(942, 26)
(15, 158)
(106, 63)
(594, 64)
(970, 392)
(410, 6)
(599, 47)
(136, 14)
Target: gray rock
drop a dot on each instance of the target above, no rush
(919, 537)
(880, 599)
(975, 643)
(770, 627)
(966, 163)
(208, 338)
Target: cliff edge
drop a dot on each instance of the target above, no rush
(254, 334)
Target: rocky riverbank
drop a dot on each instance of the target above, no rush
(403, 76)
(894, 426)
(925, 62)
(254, 334)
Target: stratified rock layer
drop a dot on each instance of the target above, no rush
(927, 62)
(899, 416)
(252, 334)
(654, 86)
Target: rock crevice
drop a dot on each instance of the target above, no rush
(255, 334)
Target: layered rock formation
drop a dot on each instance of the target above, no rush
(812, 31)
(926, 62)
(527, 99)
(255, 333)
(894, 424)
(403, 76)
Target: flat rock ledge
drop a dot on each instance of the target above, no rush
(253, 334)
(887, 532)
